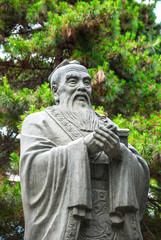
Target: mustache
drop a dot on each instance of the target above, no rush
(81, 94)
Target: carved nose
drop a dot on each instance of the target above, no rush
(81, 87)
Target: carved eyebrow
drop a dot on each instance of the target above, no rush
(87, 77)
(71, 76)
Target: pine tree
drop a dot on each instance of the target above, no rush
(120, 44)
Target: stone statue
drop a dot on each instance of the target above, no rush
(80, 178)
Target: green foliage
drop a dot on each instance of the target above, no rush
(11, 214)
(120, 44)
(145, 135)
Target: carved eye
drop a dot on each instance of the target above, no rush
(87, 82)
(72, 81)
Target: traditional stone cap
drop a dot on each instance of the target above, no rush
(65, 62)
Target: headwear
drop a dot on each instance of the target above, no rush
(62, 64)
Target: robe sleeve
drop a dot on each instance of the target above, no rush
(52, 177)
(129, 182)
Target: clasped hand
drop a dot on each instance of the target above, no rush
(104, 139)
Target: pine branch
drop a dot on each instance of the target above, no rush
(156, 188)
(148, 229)
(33, 68)
(29, 31)
(154, 202)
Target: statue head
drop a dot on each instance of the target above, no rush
(71, 81)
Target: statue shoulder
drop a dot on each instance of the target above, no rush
(36, 117)
(34, 121)
(41, 123)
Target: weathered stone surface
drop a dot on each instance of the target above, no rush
(80, 178)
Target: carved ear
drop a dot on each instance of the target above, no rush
(54, 90)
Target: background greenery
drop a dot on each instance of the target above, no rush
(120, 44)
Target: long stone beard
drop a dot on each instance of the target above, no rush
(85, 118)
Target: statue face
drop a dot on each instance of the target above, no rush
(75, 83)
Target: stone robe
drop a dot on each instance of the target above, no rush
(62, 186)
